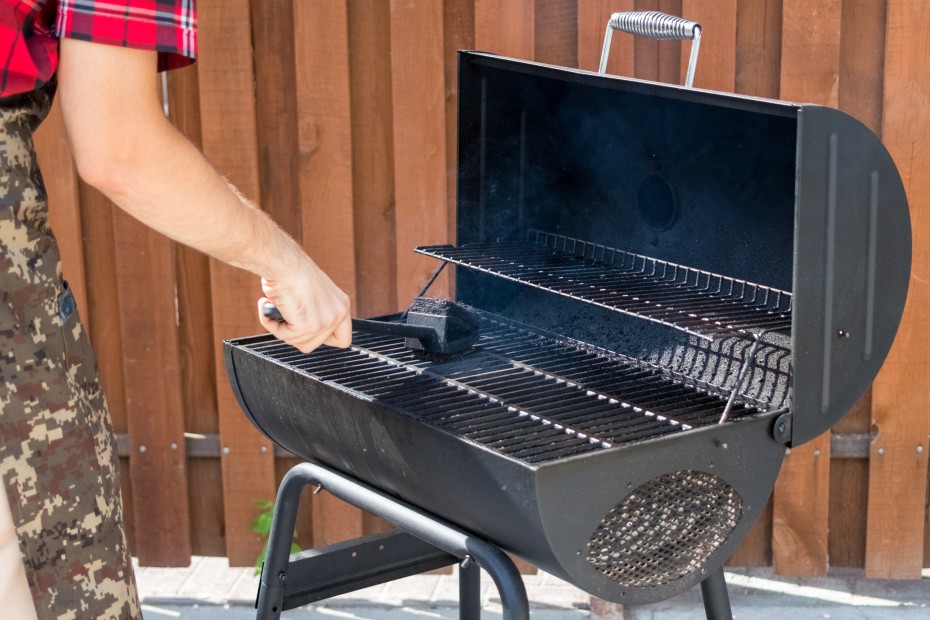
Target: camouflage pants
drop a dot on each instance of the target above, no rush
(58, 455)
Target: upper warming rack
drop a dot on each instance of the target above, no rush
(700, 303)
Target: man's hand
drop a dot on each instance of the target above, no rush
(124, 146)
(310, 304)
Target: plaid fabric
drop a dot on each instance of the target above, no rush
(29, 32)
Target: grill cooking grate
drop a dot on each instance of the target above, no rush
(697, 302)
(520, 392)
(665, 529)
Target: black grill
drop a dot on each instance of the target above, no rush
(670, 287)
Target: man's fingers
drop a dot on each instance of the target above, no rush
(342, 336)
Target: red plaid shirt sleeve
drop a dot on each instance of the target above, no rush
(29, 32)
(166, 26)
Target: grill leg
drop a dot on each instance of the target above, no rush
(469, 591)
(716, 599)
(424, 526)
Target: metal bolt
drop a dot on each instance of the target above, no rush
(282, 576)
(842, 333)
(226, 450)
(317, 490)
(142, 449)
(816, 452)
(174, 446)
(724, 446)
(466, 562)
(264, 449)
(920, 449)
(787, 451)
(881, 452)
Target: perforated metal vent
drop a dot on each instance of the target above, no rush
(666, 529)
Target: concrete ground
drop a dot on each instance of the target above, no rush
(210, 590)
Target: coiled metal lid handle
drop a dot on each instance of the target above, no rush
(657, 26)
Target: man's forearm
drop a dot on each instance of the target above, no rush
(124, 146)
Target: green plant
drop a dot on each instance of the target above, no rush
(261, 525)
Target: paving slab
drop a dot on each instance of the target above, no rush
(210, 590)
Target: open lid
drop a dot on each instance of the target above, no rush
(794, 198)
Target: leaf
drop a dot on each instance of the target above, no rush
(262, 524)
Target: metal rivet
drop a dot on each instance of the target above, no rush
(920, 449)
(466, 562)
(264, 449)
(174, 446)
(282, 576)
(816, 452)
(724, 446)
(226, 450)
(881, 451)
(141, 448)
(787, 451)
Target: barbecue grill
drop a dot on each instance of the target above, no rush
(671, 286)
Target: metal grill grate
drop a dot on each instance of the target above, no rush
(698, 302)
(665, 530)
(519, 392)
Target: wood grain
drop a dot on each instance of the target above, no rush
(152, 378)
(900, 401)
(809, 72)
(228, 126)
(324, 134)
(506, 28)
(758, 48)
(716, 68)
(556, 32)
(372, 174)
(419, 97)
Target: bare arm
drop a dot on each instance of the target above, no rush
(124, 146)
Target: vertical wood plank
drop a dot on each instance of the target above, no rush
(324, 128)
(862, 46)
(196, 344)
(61, 184)
(458, 34)
(228, 127)
(372, 156)
(716, 67)
(862, 58)
(505, 27)
(325, 143)
(421, 166)
(810, 50)
(592, 24)
(809, 72)
(900, 400)
(758, 48)
(556, 32)
(152, 375)
(102, 300)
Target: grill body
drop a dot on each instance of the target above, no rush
(671, 286)
(548, 513)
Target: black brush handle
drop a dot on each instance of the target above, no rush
(364, 325)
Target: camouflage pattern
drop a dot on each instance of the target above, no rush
(58, 455)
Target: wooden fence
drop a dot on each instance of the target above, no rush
(338, 117)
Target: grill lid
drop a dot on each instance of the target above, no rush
(796, 211)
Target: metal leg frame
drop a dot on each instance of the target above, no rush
(716, 598)
(422, 525)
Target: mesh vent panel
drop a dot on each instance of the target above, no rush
(666, 529)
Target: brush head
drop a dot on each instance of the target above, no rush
(456, 327)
